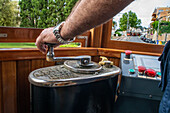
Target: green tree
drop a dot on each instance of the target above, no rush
(9, 13)
(44, 13)
(155, 25)
(114, 24)
(133, 20)
(164, 27)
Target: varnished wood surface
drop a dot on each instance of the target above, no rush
(21, 54)
(23, 86)
(15, 66)
(125, 45)
(29, 35)
(96, 36)
(9, 84)
(1, 95)
(142, 47)
(19, 34)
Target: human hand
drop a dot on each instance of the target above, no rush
(46, 36)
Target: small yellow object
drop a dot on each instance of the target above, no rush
(104, 61)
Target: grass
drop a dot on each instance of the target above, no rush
(17, 45)
(32, 45)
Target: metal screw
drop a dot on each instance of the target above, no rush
(150, 96)
(96, 73)
(85, 61)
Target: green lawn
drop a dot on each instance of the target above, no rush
(31, 45)
(17, 45)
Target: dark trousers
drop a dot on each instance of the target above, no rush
(165, 79)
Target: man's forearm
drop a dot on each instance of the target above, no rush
(90, 13)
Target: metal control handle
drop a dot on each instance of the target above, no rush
(84, 60)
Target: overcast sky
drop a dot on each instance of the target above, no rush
(143, 9)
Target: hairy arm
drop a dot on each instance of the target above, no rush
(85, 15)
(90, 13)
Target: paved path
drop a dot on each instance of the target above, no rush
(135, 39)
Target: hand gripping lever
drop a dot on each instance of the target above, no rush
(84, 60)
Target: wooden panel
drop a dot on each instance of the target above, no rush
(46, 64)
(142, 47)
(106, 35)
(96, 59)
(96, 36)
(21, 54)
(115, 53)
(1, 96)
(9, 86)
(124, 45)
(36, 64)
(23, 86)
(117, 62)
(19, 34)
(29, 35)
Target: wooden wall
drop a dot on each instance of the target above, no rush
(14, 70)
(16, 64)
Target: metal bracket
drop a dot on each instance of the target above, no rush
(3, 34)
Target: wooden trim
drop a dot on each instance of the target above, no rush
(23, 54)
(9, 86)
(143, 47)
(116, 53)
(29, 35)
(107, 28)
(19, 34)
(123, 45)
(23, 86)
(1, 89)
(96, 36)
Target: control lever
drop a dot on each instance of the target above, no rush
(84, 60)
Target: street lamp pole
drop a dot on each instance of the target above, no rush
(128, 22)
(158, 28)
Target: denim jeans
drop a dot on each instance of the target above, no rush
(165, 80)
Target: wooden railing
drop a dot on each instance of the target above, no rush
(16, 64)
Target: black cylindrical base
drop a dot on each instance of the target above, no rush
(95, 97)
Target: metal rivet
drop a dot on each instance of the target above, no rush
(150, 96)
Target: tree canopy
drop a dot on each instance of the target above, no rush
(164, 26)
(114, 24)
(133, 20)
(44, 13)
(9, 13)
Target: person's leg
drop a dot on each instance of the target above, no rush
(165, 102)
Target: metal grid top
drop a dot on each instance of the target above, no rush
(56, 76)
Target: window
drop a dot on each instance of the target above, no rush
(161, 10)
(136, 24)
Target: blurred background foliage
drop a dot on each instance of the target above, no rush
(9, 13)
(44, 13)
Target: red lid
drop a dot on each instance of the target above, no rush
(150, 72)
(128, 52)
(141, 68)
